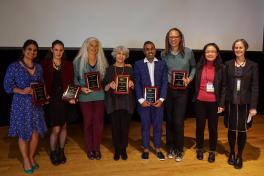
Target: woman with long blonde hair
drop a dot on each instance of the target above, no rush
(90, 59)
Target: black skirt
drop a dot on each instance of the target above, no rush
(57, 109)
(236, 117)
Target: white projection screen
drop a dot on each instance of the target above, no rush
(131, 22)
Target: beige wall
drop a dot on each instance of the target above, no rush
(131, 22)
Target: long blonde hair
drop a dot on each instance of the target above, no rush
(82, 55)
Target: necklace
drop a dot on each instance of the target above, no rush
(241, 64)
(57, 67)
(28, 67)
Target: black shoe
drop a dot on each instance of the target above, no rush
(61, 155)
(238, 163)
(90, 155)
(211, 157)
(97, 155)
(160, 156)
(145, 155)
(170, 153)
(231, 159)
(199, 154)
(54, 158)
(116, 155)
(123, 154)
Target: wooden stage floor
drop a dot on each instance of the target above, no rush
(78, 164)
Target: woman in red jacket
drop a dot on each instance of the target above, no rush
(58, 74)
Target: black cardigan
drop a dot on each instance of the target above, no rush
(219, 83)
(249, 83)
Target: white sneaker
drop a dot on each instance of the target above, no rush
(179, 156)
(170, 154)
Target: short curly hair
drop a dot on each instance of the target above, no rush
(118, 49)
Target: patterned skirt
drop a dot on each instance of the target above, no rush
(26, 118)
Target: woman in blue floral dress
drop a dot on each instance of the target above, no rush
(26, 119)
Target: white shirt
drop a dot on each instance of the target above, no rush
(151, 66)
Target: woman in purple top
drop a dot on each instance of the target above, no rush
(26, 119)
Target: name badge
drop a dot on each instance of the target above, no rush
(209, 87)
(238, 84)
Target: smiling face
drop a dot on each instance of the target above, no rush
(57, 51)
(149, 51)
(120, 57)
(93, 47)
(210, 53)
(239, 49)
(30, 52)
(174, 39)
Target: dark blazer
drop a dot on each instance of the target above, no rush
(219, 83)
(249, 83)
(66, 73)
(142, 78)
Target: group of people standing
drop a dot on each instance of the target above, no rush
(231, 87)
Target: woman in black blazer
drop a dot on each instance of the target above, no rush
(241, 99)
(209, 97)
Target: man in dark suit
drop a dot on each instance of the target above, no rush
(151, 89)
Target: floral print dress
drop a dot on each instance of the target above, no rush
(25, 117)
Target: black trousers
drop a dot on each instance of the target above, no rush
(206, 110)
(176, 103)
(120, 126)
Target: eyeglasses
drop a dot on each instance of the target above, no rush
(207, 52)
(174, 37)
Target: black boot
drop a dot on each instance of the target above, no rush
(124, 154)
(54, 158)
(199, 154)
(238, 162)
(61, 155)
(231, 159)
(211, 157)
